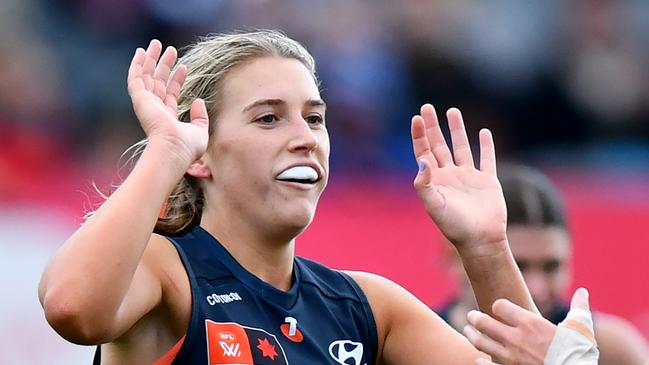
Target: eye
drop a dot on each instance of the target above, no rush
(267, 119)
(522, 266)
(551, 267)
(315, 119)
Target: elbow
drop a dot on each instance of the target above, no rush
(68, 318)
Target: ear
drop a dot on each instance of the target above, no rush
(199, 169)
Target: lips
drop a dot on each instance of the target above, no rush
(303, 174)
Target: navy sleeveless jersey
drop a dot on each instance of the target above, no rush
(237, 318)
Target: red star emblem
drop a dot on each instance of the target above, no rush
(267, 349)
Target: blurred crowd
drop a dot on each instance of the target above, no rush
(556, 80)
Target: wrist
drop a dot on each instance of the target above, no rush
(172, 155)
(483, 250)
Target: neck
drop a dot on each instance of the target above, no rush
(266, 256)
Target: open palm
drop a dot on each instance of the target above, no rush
(466, 203)
(154, 92)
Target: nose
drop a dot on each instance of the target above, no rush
(302, 137)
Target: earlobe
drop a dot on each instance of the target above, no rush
(199, 169)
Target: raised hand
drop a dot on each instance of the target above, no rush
(154, 92)
(466, 203)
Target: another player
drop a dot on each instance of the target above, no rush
(539, 237)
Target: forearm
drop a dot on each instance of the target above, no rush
(493, 274)
(93, 269)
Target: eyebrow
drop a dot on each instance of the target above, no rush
(274, 102)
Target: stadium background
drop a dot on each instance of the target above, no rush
(562, 84)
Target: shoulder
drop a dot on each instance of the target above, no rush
(619, 341)
(403, 321)
(388, 300)
(332, 283)
(161, 257)
(378, 288)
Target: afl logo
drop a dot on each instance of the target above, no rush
(227, 336)
(346, 352)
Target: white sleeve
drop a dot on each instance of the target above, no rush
(574, 342)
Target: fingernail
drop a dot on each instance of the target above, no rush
(585, 291)
(422, 165)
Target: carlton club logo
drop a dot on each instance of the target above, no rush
(289, 329)
(346, 352)
(231, 343)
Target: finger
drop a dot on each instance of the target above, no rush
(173, 87)
(459, 139)
(487, 152)
(510, 313)
(484, 343)
(152, 55)
(438, 145)
(198, 114)
(420, 144)
(162, 72)
(489, 326)
(134, 80)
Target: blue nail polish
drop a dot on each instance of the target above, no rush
(422, 166)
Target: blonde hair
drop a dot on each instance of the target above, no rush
(208, 61)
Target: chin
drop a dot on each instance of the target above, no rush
(295, 222)
(302, 221)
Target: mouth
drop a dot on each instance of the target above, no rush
(303, 175)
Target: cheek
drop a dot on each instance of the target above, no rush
(324, 143)
(322, 135)
(563, 279)
(233, 164)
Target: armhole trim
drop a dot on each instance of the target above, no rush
(369, 315)
(189, 337)
(170, 356)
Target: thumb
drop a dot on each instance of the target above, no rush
(198, 113)
(579, 317)
(426, 188)
(425, 175)
(580, 300)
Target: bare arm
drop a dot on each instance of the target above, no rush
(409, 332)
(87, 284)
(468, 206)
